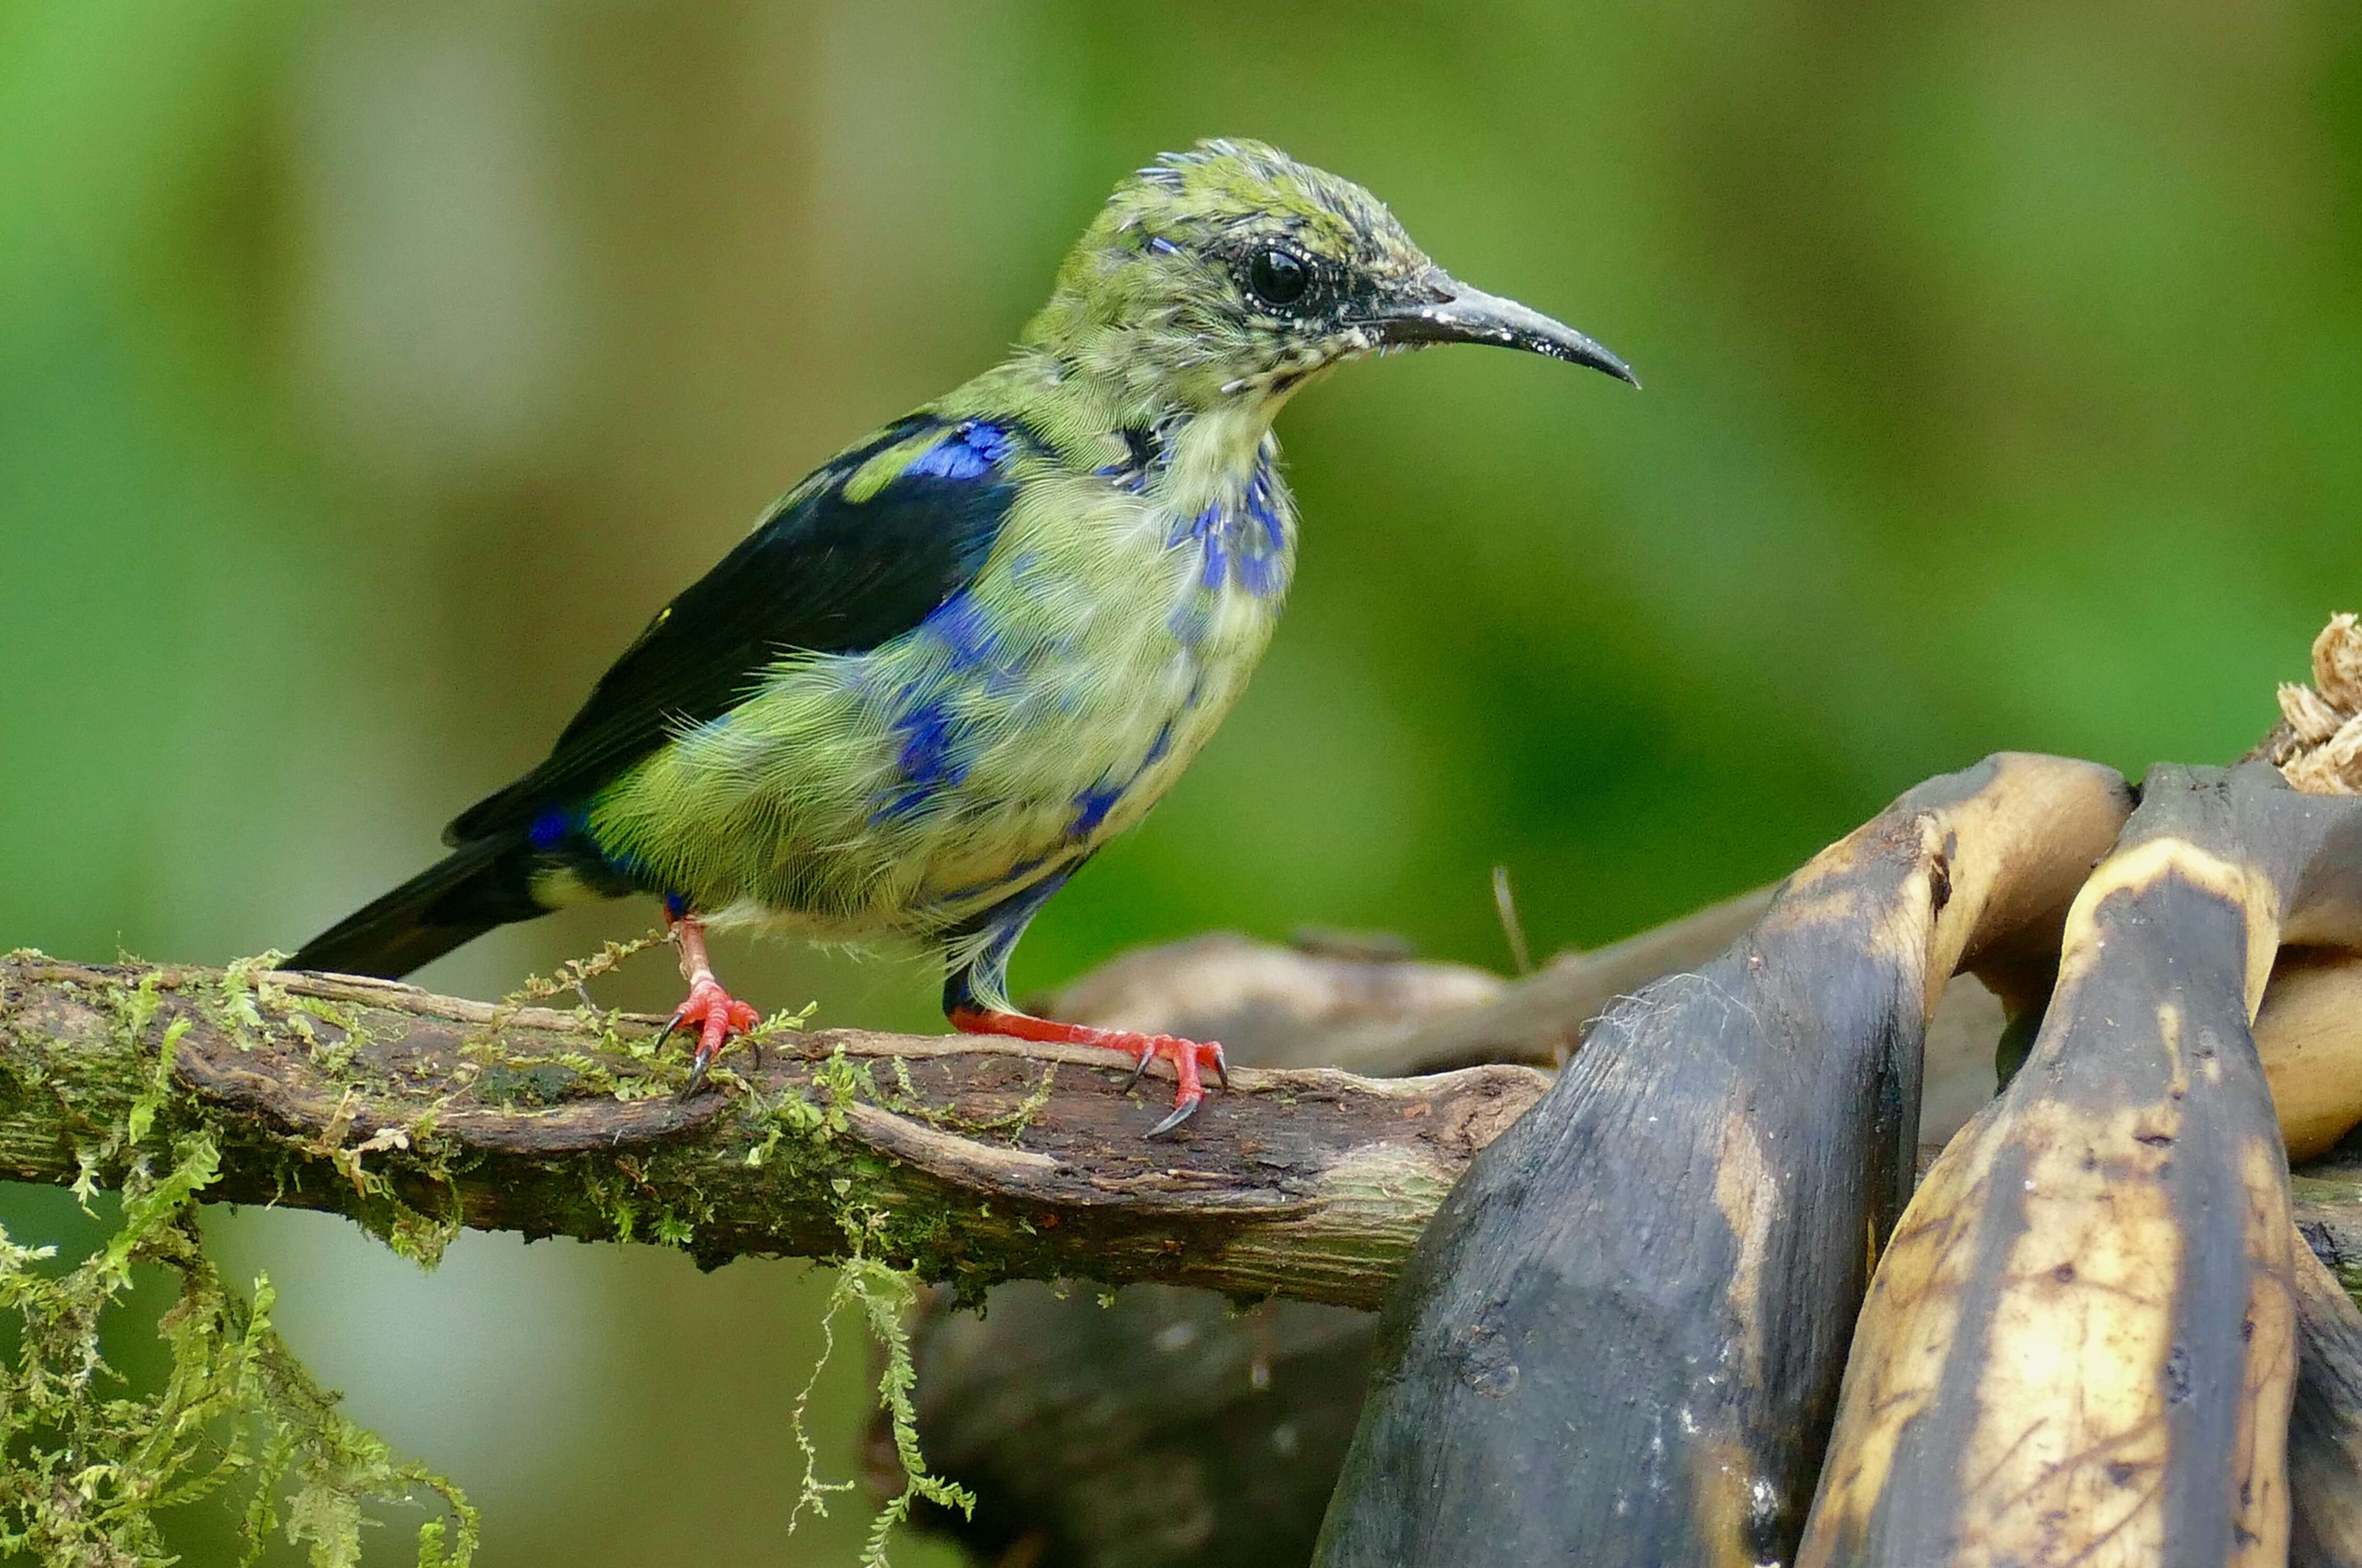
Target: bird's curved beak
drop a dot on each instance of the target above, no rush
(1472, 315)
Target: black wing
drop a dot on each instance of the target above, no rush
(824, 574)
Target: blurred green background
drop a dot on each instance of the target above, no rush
(369, 372)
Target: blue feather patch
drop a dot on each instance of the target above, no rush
(967, 450)
(926, 757)
(967, 631)
(1091, 808)
(1257, 573)
(553, 826)
(562, 833)
(1226, 534)
(1197, 527)
(1210, 578)
(929, 759)
(1189, 622)
(960, 621)
(1260, 508)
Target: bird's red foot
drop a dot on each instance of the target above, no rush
(1190, 1057)
(713, 1012)
(716, 1015)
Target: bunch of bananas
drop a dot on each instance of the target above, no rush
(2084, 1339)
(2093, 1335)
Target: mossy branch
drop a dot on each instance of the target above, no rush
(977, 1161)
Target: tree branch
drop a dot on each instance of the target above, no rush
(975, 1161)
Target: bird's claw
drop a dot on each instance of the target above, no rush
(716, 1015)
(1173, 1122)
(1187, 1058)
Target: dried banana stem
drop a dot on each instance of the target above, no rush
(1619, 1341)
(2081, 1345)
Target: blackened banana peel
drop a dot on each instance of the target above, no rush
(2082, 1344)
(1619, 1341)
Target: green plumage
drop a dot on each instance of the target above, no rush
(782, 814)
(959, 658)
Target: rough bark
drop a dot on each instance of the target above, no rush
(973, 1161)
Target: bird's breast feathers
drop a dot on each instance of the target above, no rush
(1032, 716)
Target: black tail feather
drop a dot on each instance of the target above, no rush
(478, 886)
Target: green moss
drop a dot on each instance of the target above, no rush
(303, 1468)
(575, 975)
(88, 1462)
(886, 1297)
(535, 1084)
(907, 1101)
(508, 1076)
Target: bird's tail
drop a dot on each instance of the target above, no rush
(481, 884)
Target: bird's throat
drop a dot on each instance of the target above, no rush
(1211, 455)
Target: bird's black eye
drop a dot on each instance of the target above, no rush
(1278, 277)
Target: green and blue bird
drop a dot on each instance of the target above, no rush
(978, 644)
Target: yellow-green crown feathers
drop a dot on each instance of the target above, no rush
(1229, 270)
(1232, 272)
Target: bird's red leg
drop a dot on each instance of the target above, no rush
(1187, 1056)
(713, 1012)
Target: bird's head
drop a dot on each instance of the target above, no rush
(1231, 274)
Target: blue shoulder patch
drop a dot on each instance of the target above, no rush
(822, 574)
(967, 450)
